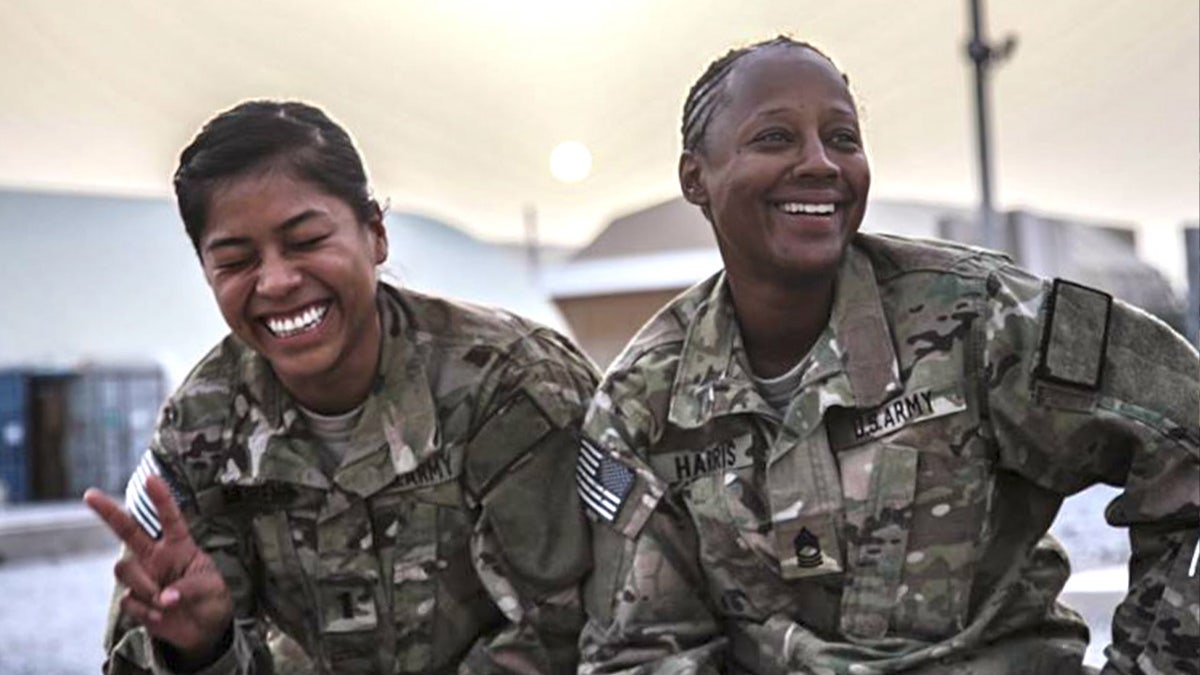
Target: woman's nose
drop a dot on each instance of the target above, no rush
(276, 277)
(814, 162)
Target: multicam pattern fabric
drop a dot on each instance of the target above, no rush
(894, 518)
(450, 539)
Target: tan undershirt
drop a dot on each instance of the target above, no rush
(334, 432)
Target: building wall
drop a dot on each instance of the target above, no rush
(603, 324)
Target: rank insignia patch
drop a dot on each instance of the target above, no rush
(808, 549)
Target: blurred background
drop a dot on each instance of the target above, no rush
(527, 149)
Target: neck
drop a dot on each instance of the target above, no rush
(348, 383)
(779, 323)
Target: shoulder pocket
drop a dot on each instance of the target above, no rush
(536, 517)
(503, 438)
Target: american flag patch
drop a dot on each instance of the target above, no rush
(137, 501)
(603, 481)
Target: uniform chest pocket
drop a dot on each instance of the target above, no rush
(915, 519)
(438, 605)
(734, 546)
(949, 518)
(285, 540)
(409, 528)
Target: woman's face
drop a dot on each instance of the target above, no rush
(782, 171)
(293, 272)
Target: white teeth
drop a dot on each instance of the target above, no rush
(289, 326)
(797, 207)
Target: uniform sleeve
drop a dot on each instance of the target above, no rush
(1084, 389)
(130, 649)
(530, 545)
(646, 600)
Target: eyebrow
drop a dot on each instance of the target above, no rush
(289, 224)
(770, 112)
(848, 110)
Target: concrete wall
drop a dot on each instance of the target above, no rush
(110, 279)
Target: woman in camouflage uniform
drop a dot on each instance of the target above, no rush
(381, 474)
(842, 453)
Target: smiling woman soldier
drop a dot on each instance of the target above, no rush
(383, 475)
(841, 454)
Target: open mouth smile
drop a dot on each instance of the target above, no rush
(813, 209)
(302, 321)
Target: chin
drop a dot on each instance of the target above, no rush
(299, 366)
(812, 262)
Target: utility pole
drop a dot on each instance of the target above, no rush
(985, 55)
(529, 217)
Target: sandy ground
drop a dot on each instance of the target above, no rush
(53, 614)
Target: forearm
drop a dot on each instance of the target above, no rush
(531, 645)
(1157, 627)
(647, 604)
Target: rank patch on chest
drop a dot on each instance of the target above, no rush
(808, 549)
(856, 427)
(603, 481)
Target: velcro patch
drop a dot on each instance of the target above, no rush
(137, 500)
(688, 464)
(441, 467)
(1075, 336)
(603, 481)
(855, 427)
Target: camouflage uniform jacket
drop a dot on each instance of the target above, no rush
(449, 539)
(894, 517)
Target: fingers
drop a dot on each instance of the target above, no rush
(193, 588)
(174, 528)
(121, 524)
(136, 579)
(140, 611)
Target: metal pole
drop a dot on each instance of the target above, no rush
(984, 56)
(530, 218)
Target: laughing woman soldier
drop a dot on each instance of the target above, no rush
(842, 453)
(383, 475)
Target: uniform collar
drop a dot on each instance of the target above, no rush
(398, 428)
(712, 381)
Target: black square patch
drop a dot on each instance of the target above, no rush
(1075, 336)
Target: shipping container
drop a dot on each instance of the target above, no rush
(110, 415)
(47, 433)
(14, 446)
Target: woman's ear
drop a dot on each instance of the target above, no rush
(379, 241)
(691, 174)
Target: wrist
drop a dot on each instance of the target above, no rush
(194, 659)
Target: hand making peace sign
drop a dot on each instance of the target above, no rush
(173, 588)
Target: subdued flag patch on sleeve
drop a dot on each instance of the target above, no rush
(603, 481)
(137, 501)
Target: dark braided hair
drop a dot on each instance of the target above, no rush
(707, 95)
(255, 135)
